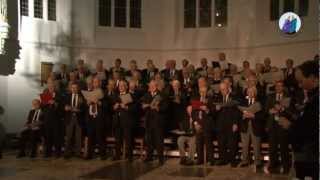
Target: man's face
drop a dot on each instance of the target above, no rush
(118, 63)
(289, 64)
(222, 57)
(74, 89)
(185, 63)
(305, 83)
(122, 87)
(279, 87)
(224, 89)
(96, 83)
(152, 86)
(204, 62)
(251, 93)
(35, 104)
(267, 62)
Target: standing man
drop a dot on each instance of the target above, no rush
(304, 131)
(155, 106)
(74, 108)
(227, 126)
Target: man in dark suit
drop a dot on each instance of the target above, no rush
(304, 130)
(251, 127)
(222, 63)
(96, 123)
(74, 120)
(178, 103)
(277, 106)
(101, 73)
(227, 119)
(124, 122)
(117, 68)
(203, 69)
(290, 81)
(171, 72)
(149, 72)
(32, 130)
(202, 115)
(154, 105)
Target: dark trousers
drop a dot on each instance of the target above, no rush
(96, 135)
(54, 134)
(307, 169)
(227, 145)
(124, 135)
(279, 136)
(204, 138)
(73, 129)
(32, 136)
(154, 140)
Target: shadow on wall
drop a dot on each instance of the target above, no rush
(11, 47)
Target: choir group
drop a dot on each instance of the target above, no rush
(216, 101)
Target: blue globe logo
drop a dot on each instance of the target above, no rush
(290, 23)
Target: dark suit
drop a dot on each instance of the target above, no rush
(147, 75)
(290, 80)
(171, 74)
(205, 136)
(304, 137)
(123, 128)
(96, 130)
(120, 70)
(154, 123)
(227, 116)
(277, 134)
(177, 109)
(32, 134)
(74, 122)
(54, 126)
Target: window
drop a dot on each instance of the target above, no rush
(288, 6)
(221, 12)
(274, 10)
(303, 7)
(190, 13)
(120, 13)
(205, 13)
(105, 12)
(24, 7)
(135, 13)
(38, 8)
(52, 10)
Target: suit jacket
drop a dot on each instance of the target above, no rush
(124, 117)
(178, 109)
(257, 122)
(304, 132)
(121, 70)
(290, 80)
(270, 103)
(148, 75)
(53, 113)
(207, 122)
(228, 115)
(81, 107)
(167, 76)
(155, 119)
(31, 116)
